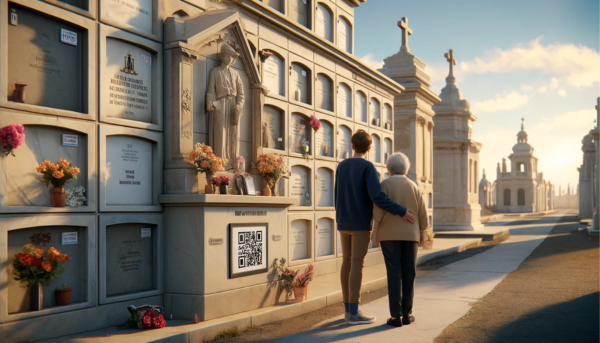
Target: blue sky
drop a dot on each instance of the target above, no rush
(529, 59)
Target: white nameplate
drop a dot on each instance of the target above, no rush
(69, 238)
(146, 59)
(69, 140)
(68, 37)
(276, 237)
(13, 17)
(215, 241)
(146, 232)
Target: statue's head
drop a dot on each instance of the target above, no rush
(227, 55)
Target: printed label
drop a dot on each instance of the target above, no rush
(69, 238)
(68, 37)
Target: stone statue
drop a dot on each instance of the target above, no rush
(224, 103)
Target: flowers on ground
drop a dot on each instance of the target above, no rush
(145, 317)
(305, 278)
(284, 274)
(34, 266)
(57, 173)
(205, 160)
(11, 137)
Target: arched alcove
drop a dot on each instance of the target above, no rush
(361, 106)
(300, 132)
(344, 101)
(344, 35)
(273, 127)
(388, 116)
(298, 237)
(324, 145)
(375, 112)
(299, 11)
(324, 187)
(324, 21)
(324, 237)
(274, 74)
(387, 149)
(344, 142)
(375, 152)
(324, 92)
(300, 185)
(300, 83)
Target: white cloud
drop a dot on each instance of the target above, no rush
(506, 102)
(371, 62)
(526, 88)
(576, 65)
(562, 92)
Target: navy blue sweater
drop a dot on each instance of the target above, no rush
(357, 187)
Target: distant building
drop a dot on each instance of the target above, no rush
(523, 188)
(587, 181)
(487, 194)
(567, 198)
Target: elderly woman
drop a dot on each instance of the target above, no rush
(399, 239)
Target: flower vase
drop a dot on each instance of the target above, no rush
(223, 189)
(208, 189)
(37, 297)
(241, 167)
(19, 92)
(63, 297)
(276, 189)
(300, 293)
(58, 196)
(266, 191)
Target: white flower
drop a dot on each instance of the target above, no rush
(75, 196)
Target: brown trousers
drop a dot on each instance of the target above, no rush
(355, 245)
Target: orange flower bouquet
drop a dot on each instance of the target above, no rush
(272, 168)
(57, 174)
(206, 162)
(34, 265)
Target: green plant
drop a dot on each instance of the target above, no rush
(284, 274)
(231, 333)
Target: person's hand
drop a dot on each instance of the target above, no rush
(375, 240)
(422, 240)
(210, 106)
(409, 217)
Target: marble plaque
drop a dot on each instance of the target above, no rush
(361, 106)
(42, 143)
(129, 260)
(300, 185)
(299, 230)
(324, 237)
(344, 138)
(344, 35)
(129, 85)
(324, 22)
(299, 132)
(324, 93)
(324, 187)
(137, 13)
(274, 75)
(299, 12)
(273, 118)
(344, 101)
(388, 113)
(300, 79)
(46, 237)
(376, 149)
(324, 140)
(129, 171)
(375, 109)
(52, 70)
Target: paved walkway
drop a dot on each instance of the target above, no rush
(443, 296)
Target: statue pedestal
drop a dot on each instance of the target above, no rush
(197, 253)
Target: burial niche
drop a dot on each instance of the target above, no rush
(44, 143)
(136, 13)
(387, 149)
(344, 30)
(324, 140)
(388, 116)
(324, 187)
(129, 169)
(324, 22)
(276, 4)
(300, 133)
(47, 55)
(300, 81)
(324, 237)
(299, 12)
(274, 75)
(299, 235)
(361, 106)
(324, 92)
(273, 127)
(129, 88)
(130, 258)
(375, 112)
(344, 101)
(376, 149)
(344, 146)
(76, 270)
(300, 185)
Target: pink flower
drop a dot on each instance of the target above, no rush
(241, 159)
(12, 137)
(159, 322)
(315, 123)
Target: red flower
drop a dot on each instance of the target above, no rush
(146, 322)
(315, 123)
(36, 262)
(47, 266)
(159, 322)
(26, 259)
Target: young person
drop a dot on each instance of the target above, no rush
(357, 187)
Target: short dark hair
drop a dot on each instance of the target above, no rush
(361, 141)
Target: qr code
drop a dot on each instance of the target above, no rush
(250, 248)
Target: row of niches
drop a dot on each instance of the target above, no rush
(312, 86)
(292, 135)
(312, 183)
(328, 20)
(129, 173)
(129, 264)
(52, 69)
(313, 237)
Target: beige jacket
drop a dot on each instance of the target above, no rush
(404, 192)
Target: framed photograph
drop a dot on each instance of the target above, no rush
(248, 185)
(248, 249)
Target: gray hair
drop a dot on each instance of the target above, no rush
(398, 164)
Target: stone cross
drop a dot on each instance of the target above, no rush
(406, 31)
(522, 124)
(450, 58)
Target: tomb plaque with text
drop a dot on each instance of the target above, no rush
(129, 86)
(299, 11)
(324, 140)
(343, 29)
(299, 240)
(51, 68)
(298, 132)
(323, 22)
(273, 74)
(129, 259)
(299, 185)
(299, 83)
(129, 171)
(137, 13)
(324, 191)
(344, 101)
(272, 118)
(344, 141)
(324, 237)
(323, 92)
